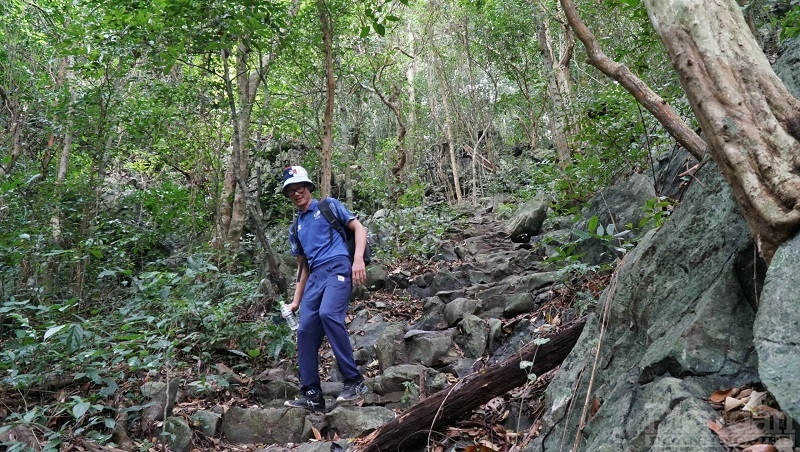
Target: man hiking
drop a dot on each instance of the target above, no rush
(325, 280)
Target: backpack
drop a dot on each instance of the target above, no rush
(347, 234)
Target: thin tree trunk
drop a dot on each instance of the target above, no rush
(674, 125)
(449, 130)
(232, 209)
(393, 103)
(559, 87)
(411, 74)
(15, 131)
(751, 121)
(231, 201)
(326, 22)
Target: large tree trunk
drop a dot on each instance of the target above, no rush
(750, 120)
(407, 431)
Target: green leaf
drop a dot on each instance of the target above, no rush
(600, 230)
(379, 28)
(80, 409)
(74, 338)
(610, 229)
(582, 234)
(239, 353)
(365, 31)
(391, 18)
(593, 222)
(53, 330)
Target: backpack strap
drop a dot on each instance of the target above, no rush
(326, 211)
(299, 244)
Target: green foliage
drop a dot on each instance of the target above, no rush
(410, 232)
(583, 301)
(413, 196)
(656, 211)
(523, 178)
(789, 21)
(166, 319)
(410, 392)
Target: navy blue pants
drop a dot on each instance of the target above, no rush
(322, 313)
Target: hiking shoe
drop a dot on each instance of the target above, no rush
(312, 400)
(352, 391)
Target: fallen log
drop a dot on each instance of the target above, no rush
(408, 430)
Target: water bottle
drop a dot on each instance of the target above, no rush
(291, 318)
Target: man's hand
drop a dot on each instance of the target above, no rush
(359, 272)
(294, 306)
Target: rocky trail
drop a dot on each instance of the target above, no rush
(450, 346)
(420, 330)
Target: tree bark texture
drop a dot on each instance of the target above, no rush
(407, 431)
(659, 108)
(749, 118)
(330, 87)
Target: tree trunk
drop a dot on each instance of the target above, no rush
(14, 131)
(232, 210)
(448, 405)
(559, 87)
(330, 86)
(749, 118)
(231, 207)
(674, 125)
(393, 103)
(411, 74)
(449, 130)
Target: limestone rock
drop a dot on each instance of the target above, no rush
(776, 328)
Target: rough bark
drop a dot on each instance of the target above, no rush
(407, 431)
(659, 108)
(326, 22)
(749, 118)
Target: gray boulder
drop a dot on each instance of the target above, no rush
(777, 326)
(679, 328)
(527, 222)
(265, 426)
(178, 433)
(350, 421)
(787, 67)
(619, 205)
(474, 336)
(431, 348)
